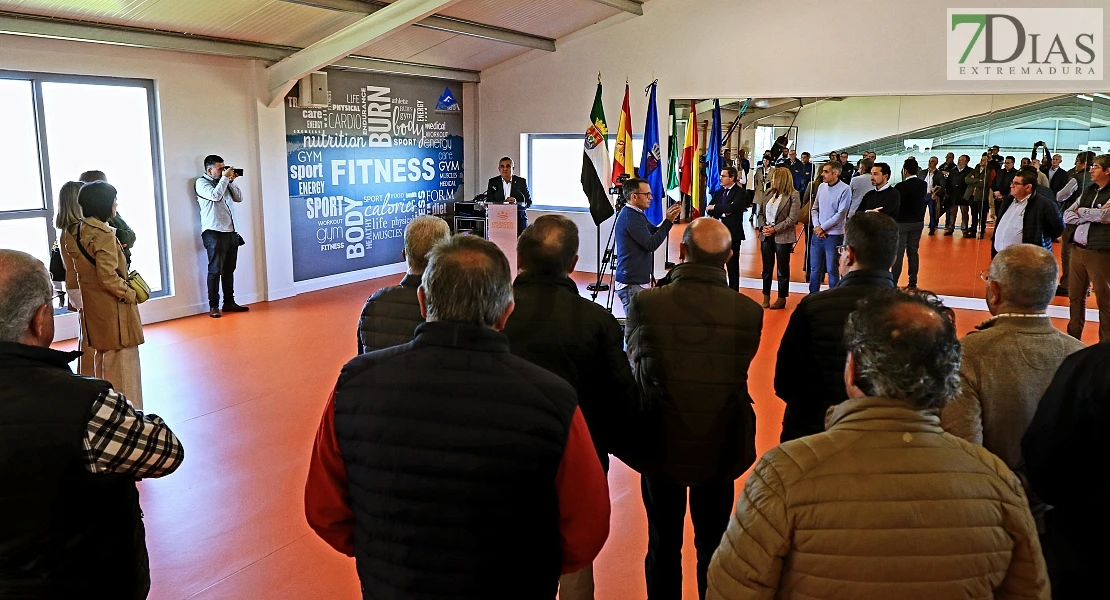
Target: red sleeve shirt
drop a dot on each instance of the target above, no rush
(583, 499)
(327, 505)
(580, 484)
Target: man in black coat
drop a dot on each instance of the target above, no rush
(691, 342)
(507, 187)
(809, 370)
(913, 195)
(957, 187)
(554, 327)
(391, 315)
(884, 198)
(1066, 458)
(728, 205)
(1039, 220)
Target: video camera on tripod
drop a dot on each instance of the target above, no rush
(618, 190)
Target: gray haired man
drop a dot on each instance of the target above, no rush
(441, 458)
(72, 449)
(884, 494)
(1009, 361)
(391, 315)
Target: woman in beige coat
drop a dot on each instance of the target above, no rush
(761, 182)
(776, 221)
(111, 312)
(69, 215)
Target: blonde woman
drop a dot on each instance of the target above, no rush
(776, 221)
(69, 215)
(111, 312)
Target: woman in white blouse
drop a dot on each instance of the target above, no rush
(776, 222)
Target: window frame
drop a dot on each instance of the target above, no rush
(157, 163)
(530, 138)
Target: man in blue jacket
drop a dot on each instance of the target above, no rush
(636, 240)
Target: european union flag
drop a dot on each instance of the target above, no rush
(651, 165)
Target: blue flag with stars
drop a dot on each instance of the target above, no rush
(651, 165)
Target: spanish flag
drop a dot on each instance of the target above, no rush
(622, 152)
(689, 161)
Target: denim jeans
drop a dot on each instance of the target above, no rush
(824, 252)
(626, 294)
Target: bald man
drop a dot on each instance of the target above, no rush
(691, 342)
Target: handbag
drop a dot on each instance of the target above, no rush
(57, 267)
(134, 280)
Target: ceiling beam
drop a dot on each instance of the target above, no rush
(133, 37)
(628, 6)
(285, 74)
(762, 113)
(441, 23)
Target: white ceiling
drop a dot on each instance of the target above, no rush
(288, 24)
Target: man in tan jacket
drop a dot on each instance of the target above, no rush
(1008, 363)
(884, 504)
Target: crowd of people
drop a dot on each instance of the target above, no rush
(1045, 204)
(463, 452)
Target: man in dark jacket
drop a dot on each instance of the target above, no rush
(691, 342)
(450, 468)
(555, 328)
(913, 194)
(728, 205)
(391, 315)
(1066, 455)
(72, 449)
(957, 188)
(809, 371)
(1035, 220)
(507, 187)
(884, 198)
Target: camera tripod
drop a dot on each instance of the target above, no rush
(606, 264)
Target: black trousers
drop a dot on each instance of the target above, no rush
(223, 251)
(710, 510)
(773, 252)
(909, 240)
(979, 209)
(733, 268)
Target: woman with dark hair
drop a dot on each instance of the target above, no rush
(775, 224)
(69, 216)
(124, 233)
(111, 311)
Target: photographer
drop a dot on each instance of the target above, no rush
(636, 240)
(221, 240)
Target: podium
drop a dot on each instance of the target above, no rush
(501, 230)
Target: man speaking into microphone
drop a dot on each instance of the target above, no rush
(729, 204)
(509, 188)
(636, 239)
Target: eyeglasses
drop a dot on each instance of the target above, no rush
(985, 274)
(843, 248)
(648, 194)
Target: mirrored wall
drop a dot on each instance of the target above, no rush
(896, 128)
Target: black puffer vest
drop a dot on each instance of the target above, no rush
(65, 531)
(390, 316)
(452, 445)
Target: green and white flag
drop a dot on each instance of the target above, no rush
(596, 167)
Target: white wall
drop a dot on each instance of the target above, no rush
(691, 47)
(205, 107)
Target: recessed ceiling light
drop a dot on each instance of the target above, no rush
(1087, 98)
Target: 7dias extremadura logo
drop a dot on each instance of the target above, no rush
(1064, 44)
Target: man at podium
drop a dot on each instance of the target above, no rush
(510, 189)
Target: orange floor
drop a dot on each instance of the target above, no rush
(244, 393)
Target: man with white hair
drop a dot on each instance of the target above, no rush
(1008, 362)
(391, 315)
(71, 451)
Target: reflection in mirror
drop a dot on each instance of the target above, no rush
(933, 131)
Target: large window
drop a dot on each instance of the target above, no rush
(54, 128)
(555, 169)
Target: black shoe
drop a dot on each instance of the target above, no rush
(1061, 291)
(932, 232)
(215, 313)
(235, 308)
(948, 232)
(982, 235)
